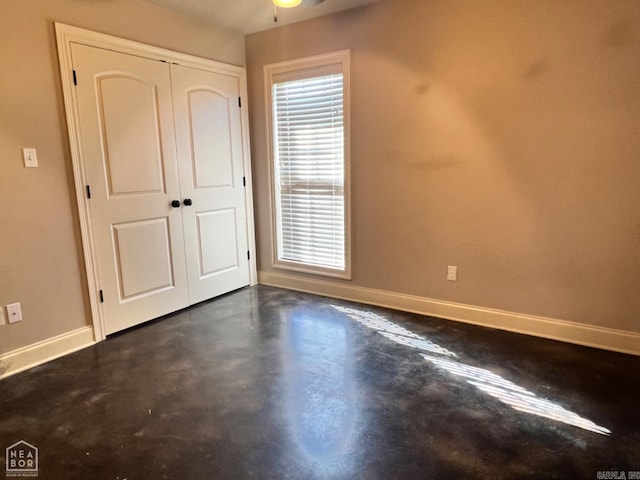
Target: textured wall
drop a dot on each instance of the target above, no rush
(498, 136)
(41, 263)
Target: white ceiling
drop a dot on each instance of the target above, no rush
(250, 16)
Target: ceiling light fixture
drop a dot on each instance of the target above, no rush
(283, 4)
(286, 3)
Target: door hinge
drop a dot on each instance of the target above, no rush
(101, 297)
(88, 191)
(244, 181)
(75, 78)
(240, 102)
(248, 255)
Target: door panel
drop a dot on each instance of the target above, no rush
(142, 252)
(217, 228)
(132, 149)
(209, 132)
(210, 136)
(128, 149)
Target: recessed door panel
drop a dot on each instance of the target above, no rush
(209, 129)
(218, 242)
(143, 257)
(130, 134)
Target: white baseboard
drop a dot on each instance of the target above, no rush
(41, 352)
(581, 334)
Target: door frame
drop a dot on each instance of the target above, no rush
(67, 35)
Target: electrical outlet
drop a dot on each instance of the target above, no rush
(14, 313)
(452, 273)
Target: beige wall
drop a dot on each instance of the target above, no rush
(499, 136)
(41, 263)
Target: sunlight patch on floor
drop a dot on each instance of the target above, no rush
(488, 382)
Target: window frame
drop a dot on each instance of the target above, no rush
(297, 69)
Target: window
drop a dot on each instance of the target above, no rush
(308, 110)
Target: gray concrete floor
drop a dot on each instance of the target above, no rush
(267, 383)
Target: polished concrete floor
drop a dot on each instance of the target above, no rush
(266, 383)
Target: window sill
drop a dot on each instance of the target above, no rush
(311, 270)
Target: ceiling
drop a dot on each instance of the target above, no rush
(250, 16)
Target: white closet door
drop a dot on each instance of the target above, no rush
(210, 149)
(128, 149)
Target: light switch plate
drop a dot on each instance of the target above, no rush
(30, 157)
(14, 313)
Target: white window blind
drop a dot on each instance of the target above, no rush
(308, 131)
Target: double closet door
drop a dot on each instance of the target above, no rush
(162, 153)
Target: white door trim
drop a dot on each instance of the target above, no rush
(67, 35)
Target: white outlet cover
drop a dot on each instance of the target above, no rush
(452, 273)
(14, 314)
